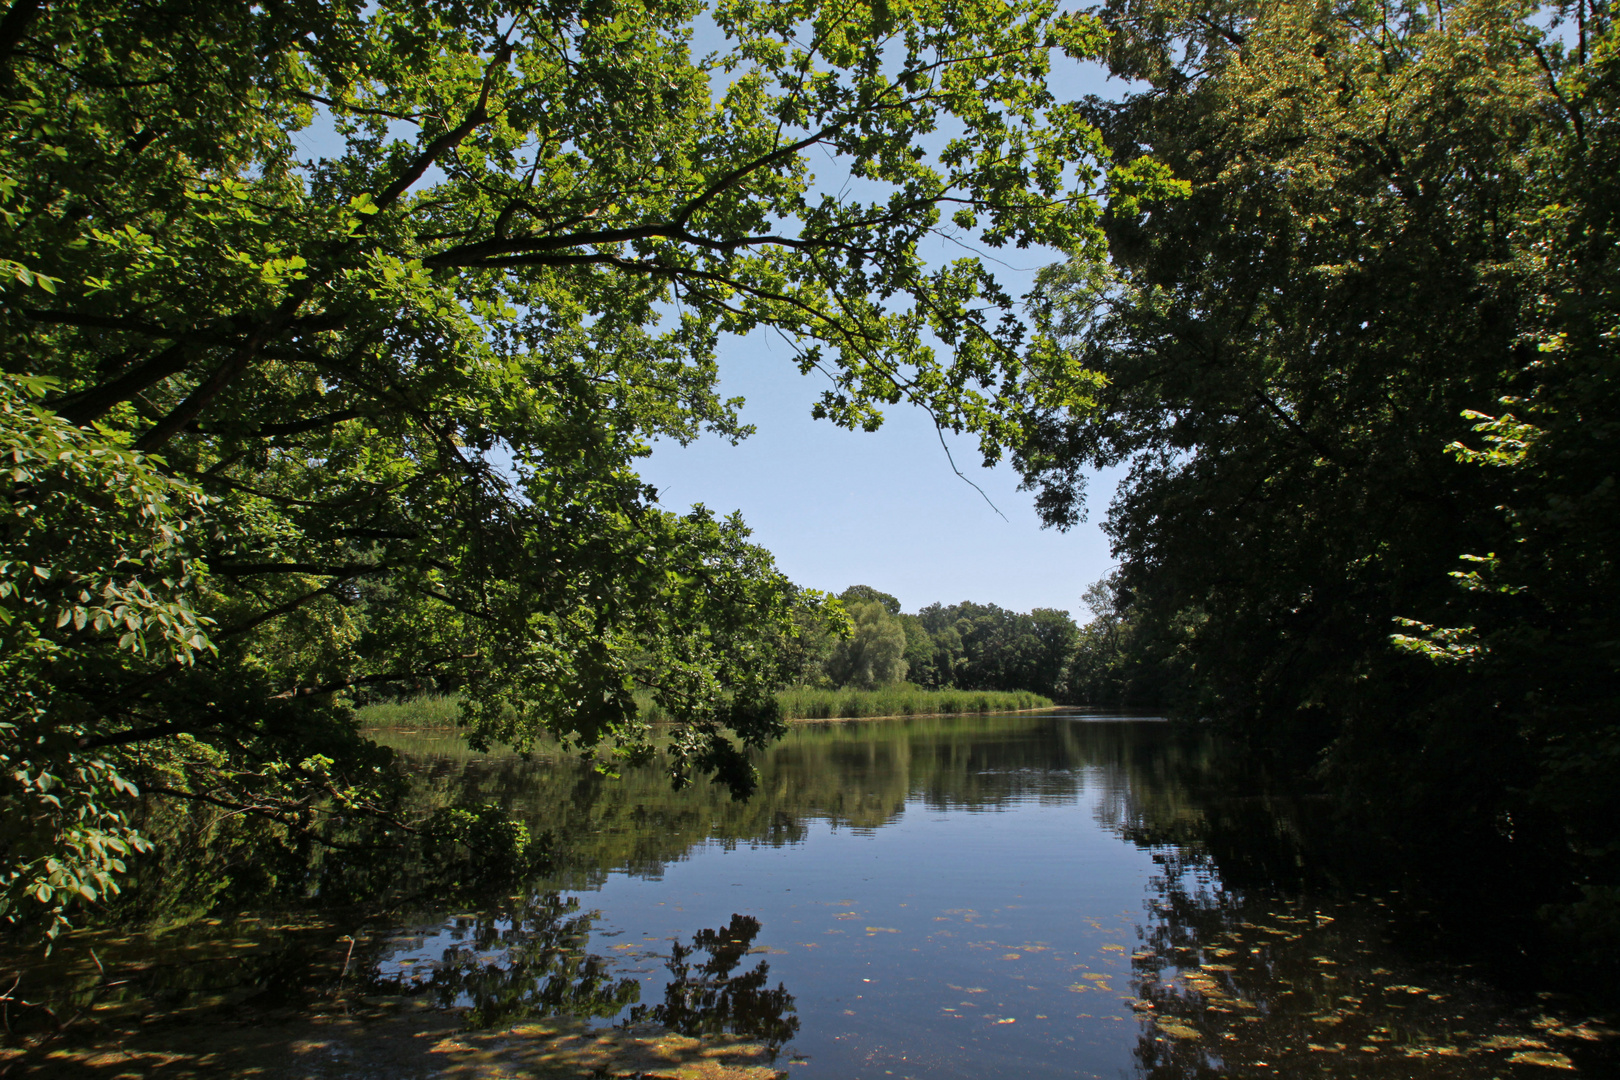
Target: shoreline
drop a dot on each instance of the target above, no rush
(792, 721)
(920, 716)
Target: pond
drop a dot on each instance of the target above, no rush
(1016, 896)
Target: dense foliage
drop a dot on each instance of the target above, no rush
(987, 647)
(964, 646)
(1121, 659)
(281, 430)
(874, 654)
(1364, 382)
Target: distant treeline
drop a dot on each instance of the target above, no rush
(957, 658)
(964, 646)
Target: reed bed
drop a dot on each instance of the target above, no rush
(804, 703)
(430, 712)
(441, 712)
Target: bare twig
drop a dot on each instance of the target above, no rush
(940, 431)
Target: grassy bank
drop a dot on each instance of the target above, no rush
(802, 703)
(439, 712)
(430, 712)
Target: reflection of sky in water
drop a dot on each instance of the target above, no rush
(1008, 899)
(949, 942)
(1012, 897)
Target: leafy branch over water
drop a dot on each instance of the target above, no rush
(283, 428)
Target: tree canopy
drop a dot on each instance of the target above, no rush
(285, 430)
(1362, 379)
(965, 646)
(988, 647)
(875, 652)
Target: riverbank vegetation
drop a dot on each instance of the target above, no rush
(899, 699)
(904, 699)
(1363, 386)
(443, 712)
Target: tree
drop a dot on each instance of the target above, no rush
(949, 654)
(1278, 381)
(1053, 635)
(874, 654)
(920, 654)
(1537, 616)
(1119, 659)
(368, 423)
(803, 654)
(890, 603)
(1320, 371)
(986, 647)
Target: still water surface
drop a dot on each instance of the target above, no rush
(1020, 896)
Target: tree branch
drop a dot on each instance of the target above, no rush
(342, 570)
(97, 322)
(14, 27)
(1570, 110)
(85, 406)
(232, 366)
(274, 613)
(450, 139)
(1296, 427)
(135, 735)
(477, 254)
(697, 203)
(295, 427)
(366, 680)
(277, 814)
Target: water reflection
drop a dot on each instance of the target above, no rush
(1242, 963)
(1023, 896)
(517, 962)
(708, 999)
(1313, 985)
(531, 960)
(859, 776)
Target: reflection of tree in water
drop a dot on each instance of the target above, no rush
(1256, 961)
(523, 962)
(707, 999)
(1243, 982)
(857, 776)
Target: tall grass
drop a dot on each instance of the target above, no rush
(430, 712)
(440, 712)
(904, 699)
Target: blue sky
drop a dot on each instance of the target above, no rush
(840, 508)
